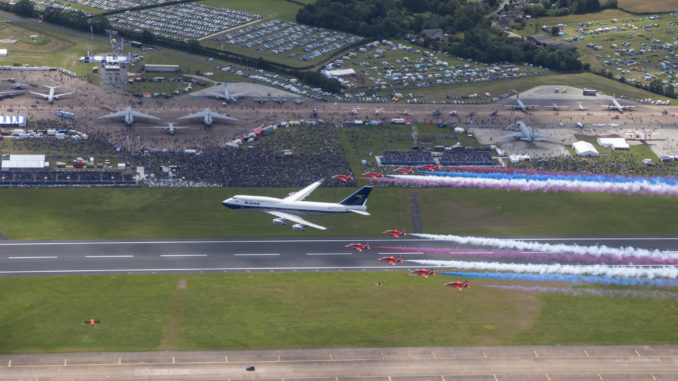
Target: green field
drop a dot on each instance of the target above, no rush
(198, 213)
(309, 310)
(639, 40)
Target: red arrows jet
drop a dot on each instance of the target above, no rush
(423, 272)
(458, 285)
(395, 233)
(404, 171)
(343, 178)
(374, 175)
(359, 246)
(430, 167)
(392, 260)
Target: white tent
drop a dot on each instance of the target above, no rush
(616, 143)
(583, 148)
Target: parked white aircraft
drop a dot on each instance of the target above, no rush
(228, 97)
(291, 207)
(520, 105)
(378, 111)
(208, 116)
(128, 115)
(581, 108)
(526, 133)
(51, 97)
(170, 128)
(616, 106)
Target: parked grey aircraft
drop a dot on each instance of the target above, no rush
(228, 97)
(8, 94)
(51, 97)
(128, 115)
(208, 116)
(170, 128)
(520, 105)
(525, 133)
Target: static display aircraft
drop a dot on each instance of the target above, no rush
(395, 233)
(292, 207)
(404, 171)
(581, 108)
(128, 116)
(355, 110)
(453, 113)
(526, 133)
(458, 285)
(226, 96)
(616, 106)
(343, 178)
(520, 105)
(555, 107)
(423, 272)
(51, 97)
(359, 246)
(373, 175)
(392, 260)
(170, 128)
(378, 111)
(208, 116)
(9, 94)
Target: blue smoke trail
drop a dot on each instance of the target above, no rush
(574, 279)
(543, 177)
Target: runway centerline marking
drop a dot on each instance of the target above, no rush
(256, 254)
(109, 256)
(329, 253)
(45, 257)
(401, 252)
(183, 255)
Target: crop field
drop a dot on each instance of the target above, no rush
(310, 310)
(633, 51)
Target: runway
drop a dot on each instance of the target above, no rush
(241, 255)
(514, 363)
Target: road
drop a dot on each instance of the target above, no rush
(238, 255)
(591, 362)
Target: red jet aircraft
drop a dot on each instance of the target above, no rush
(458, 285)
(343, 178)
(404, 171)
(373, 175)
(430, 167)
(423, 272)
(395, 233)
(359, 246)
(392, 260)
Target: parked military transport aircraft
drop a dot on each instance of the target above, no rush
(520, 105)
(208, 116)
(128, 116)
(616, 106)
(526, 133)
(291, 207)
(228, 97)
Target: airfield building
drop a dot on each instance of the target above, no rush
(155, 68)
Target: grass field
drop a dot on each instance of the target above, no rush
(638, 39)
(198, 213)
(582, 80)
(308, 310)
(643, 6)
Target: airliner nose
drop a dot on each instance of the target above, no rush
(226, 202)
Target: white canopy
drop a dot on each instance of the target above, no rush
(583, 148)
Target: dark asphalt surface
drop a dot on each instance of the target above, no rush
(238, 255)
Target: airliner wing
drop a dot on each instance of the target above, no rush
(40, 94)
(113, 115)
(57, 96)
(196, 115)
(222, 116)
(144, 115)
(302, 194)
(296, 219)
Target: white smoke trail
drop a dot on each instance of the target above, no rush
(516, 244)
(554, 185)
(600, 270)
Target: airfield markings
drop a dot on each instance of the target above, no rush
(109, 256)
(46, 257)
(256, 254)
